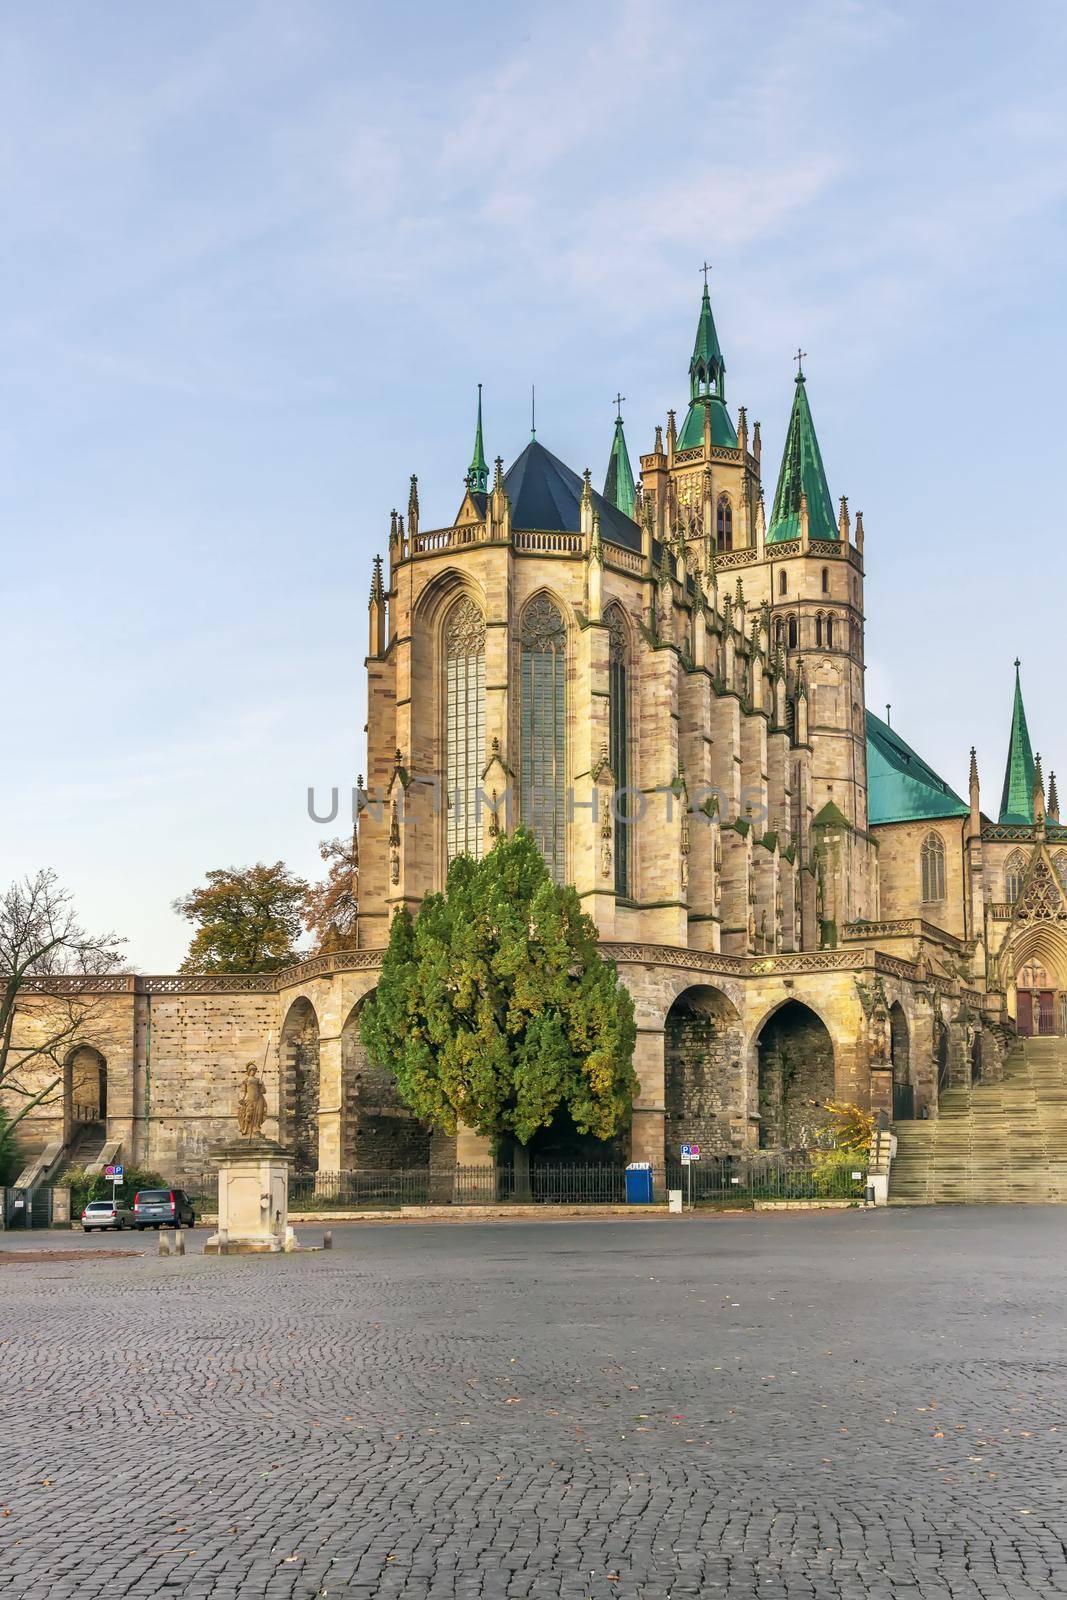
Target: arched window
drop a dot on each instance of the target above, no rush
(830, 633)
(826, 580)
(619, 749)
(791, 633)
(1059, 863)
(724, 524)
(783, 582)
(1014, 873)
(543, 753)
(779, 633)
(933, 868)
(818, 628)
(464, 635)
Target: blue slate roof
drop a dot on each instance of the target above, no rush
(546, 494)
(900, 785)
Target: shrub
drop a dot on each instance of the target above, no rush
(85, 1186)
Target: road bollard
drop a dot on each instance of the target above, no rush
(164, 1247)
(179, 1244)
(327, 1239)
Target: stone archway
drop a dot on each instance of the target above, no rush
(378, 1133)
(795, 1077)
(299, 1070)
(704, 1086)
(900, 1055)
(85, 1087)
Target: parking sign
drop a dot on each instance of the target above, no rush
(114, 1173)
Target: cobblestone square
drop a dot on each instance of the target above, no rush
(790, 1406)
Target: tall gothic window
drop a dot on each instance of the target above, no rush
(933, 868)
(543, 641)
(464, 726)
(618, 753)
(724, 524)
(1059, 862)
(791, 632)
(1014, 873)
(818, 628)
(830, 632)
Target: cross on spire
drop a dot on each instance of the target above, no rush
(800, 356)
(619, 398)
(705, 269)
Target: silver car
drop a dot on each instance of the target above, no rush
(107, 1214)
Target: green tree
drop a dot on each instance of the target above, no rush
(495, 1007)
(247, 919)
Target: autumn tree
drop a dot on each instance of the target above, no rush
(495, 1007)
(47, 1008)
(247, 919)
(331, 906)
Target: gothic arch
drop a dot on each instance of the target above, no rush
(298, 1063)
(543, 646)
(84, 1087)
(1014, 873)
(378, 1133)
(724, 523)
(792, 1068)
(932, 868)
(703, 1047)
(462, 688)
(621, 724)
(434, 600)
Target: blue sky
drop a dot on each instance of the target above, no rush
(258, 256)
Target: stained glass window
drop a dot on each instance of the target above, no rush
(543, 639)
(618, 754)
(933, 867)
(464, 726)
(1014, 873)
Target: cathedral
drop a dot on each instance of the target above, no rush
(663, 681)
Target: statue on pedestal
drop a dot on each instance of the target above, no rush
(251, 1103)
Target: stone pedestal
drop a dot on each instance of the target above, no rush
(253, 1199)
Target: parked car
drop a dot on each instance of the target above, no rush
(107, 1214)
(162, 1208)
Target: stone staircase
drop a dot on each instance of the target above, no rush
(992, 1143)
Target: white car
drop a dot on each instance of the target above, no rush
(106, 1214)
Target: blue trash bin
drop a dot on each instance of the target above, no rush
(639, 1183)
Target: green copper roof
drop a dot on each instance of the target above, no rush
(900, 786)
(802, 472)
(478, 476)
(707, 363)
(722, 429)
(619, 483)
(1017, 801)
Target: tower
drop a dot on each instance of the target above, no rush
(1017, 797)
(619, 482)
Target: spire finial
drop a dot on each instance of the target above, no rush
(705, 269)
(533, 413)
(888, 709)
(619, 398)
(478, 476)
(800, 357)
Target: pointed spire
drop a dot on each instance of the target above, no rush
(1017, 800)
(802, 478)
(707, 369)
(975, 797)
(707, 387)
(413, 507)
(377, 587)
(1053, 799)
(1039, 791)
(478, 476)
(619, 482)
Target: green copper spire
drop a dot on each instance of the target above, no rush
(707, 370)
(1017, 801)
(707, 384)
(802, 472)
(478, 476)
(619, 483)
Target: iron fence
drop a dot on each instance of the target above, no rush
(791, 1175)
